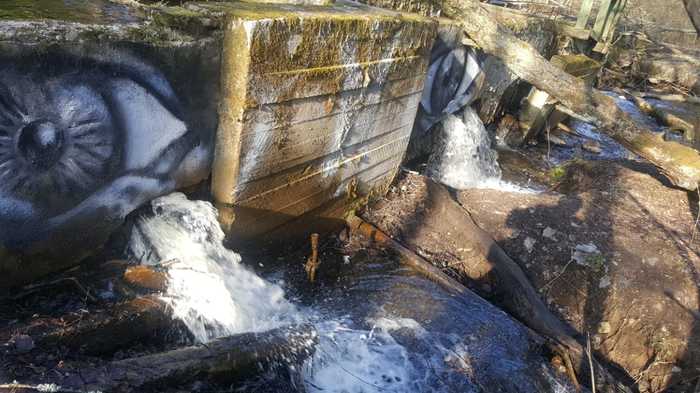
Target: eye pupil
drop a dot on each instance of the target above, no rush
(40, 143)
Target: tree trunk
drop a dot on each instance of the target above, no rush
(439, 216)
(224, 359)
(693, 8)
(139, 319)
(681, 164)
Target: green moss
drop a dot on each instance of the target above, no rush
(557, 173)
(596, 262)
(81, 11)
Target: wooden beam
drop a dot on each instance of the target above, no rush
(583, 14)
(602, 19)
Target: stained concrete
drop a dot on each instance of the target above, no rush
(313, 106)
(325, 124)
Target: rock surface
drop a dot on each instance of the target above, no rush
(633, 284)
(613, 252)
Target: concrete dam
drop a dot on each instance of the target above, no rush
(284, 115)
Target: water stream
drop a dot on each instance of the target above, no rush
(464, 158)
(381, 327)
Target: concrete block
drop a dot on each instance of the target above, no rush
(317, 106)
(105, 107)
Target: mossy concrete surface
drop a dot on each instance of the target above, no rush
(149, 46)
(313, 105)
(317, 108)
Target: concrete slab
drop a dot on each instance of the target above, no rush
(329, 119)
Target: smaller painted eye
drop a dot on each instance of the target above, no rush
(40, 143)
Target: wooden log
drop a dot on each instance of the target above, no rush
(665, 117)
(408, 257)
(681, 164)
(224, 359)
(670, 97)
(693, 9)
(515, 291)
(134, 320)
(584, 13)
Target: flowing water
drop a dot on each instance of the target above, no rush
(464, 159)
(381, 327)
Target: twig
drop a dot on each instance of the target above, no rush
(568, 364)
(590, 360)
(31, 289)
(545, 286)
(697, 219)
(312, 263)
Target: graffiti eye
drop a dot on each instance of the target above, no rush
(56, 142)
(40, 143)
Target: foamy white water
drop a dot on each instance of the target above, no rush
(357, 361)
(208, 287)
(215, 295)
(464, 158)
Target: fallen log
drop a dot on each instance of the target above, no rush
(432, 273)
(408, 257)
(138, 319)
(669, 97)
(223, 359)
(438, 215)
(665, 117)
(143, 318)
(681, 164)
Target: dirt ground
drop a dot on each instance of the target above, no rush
(611, 248)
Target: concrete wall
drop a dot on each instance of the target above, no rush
(106, 107)
(325, 123)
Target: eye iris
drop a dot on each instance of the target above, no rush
(40, 143)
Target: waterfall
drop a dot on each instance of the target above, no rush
(215, 295)
(209, 288)
(376, 349)
(463, 157)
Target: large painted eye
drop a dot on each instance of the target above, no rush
(57, 143)
(40, 144)
(84, 141)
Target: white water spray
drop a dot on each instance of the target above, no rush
(463, 158)
(208, 287)
(215, 295)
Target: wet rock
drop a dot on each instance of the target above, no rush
(556, 140)
(22, 343)
(549, 233)
(508, 131)
(592, 146)
(529, 244)
(638, 284)
(605, 328)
